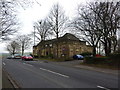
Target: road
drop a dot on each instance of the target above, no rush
(38, 74)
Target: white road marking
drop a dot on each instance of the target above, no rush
(103, 87)
(55, 72)
(28, 64)
(4, 63)
(24, 63)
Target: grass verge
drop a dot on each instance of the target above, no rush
(48, 59)
(105, 66)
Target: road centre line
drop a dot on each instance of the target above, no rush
(4, 63)
(103, 87)
(54, 72)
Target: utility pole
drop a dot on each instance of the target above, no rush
(34, 35)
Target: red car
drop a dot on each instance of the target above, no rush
(98, 55)
(27, 57)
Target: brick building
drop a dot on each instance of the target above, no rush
(68, 45)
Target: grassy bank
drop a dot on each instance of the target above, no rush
(110, 62)
(53, 59)
(105, 66)
(48, 59)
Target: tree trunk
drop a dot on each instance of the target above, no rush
(106, 48)
(57, 45)
(109, 47)
(57, 30)
(13, 51)
(22, 50)
(114, 45)
(94, 50)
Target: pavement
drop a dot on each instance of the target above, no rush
(6, 83)
(0, 80)
(45, 74)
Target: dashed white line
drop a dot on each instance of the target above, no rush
(4, 63)
(24, 63)
(28, 64)
(55, 72)
(103, 87)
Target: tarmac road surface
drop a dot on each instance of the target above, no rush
(34, 74)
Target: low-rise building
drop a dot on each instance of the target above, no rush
(64, 47)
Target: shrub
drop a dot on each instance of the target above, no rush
(114, 58)
(48, 56)
(101, 60)
(51, 55)
(86, 54)
(96, 60)
(35, 56)
(88, 60)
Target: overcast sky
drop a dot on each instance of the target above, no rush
(40, 10)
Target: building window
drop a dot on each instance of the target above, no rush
(63, 49)
(50, 45)
(46, 45)
(75, 43)
(63, 42)
(71, 50)
(77, 50)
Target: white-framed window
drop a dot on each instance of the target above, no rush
(46, 45)
(50, 45)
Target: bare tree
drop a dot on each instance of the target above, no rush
(108, 13)
(99, 22)
(118, 49)
(7, 19)
(13, 47)
(87, 24)
(8, 16)
(24, 3)
(24, 42)
(42, 30)
(57, 21)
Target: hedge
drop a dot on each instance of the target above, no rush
(115, 58)
(86, 54)
(112, 59)
(96, 60)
